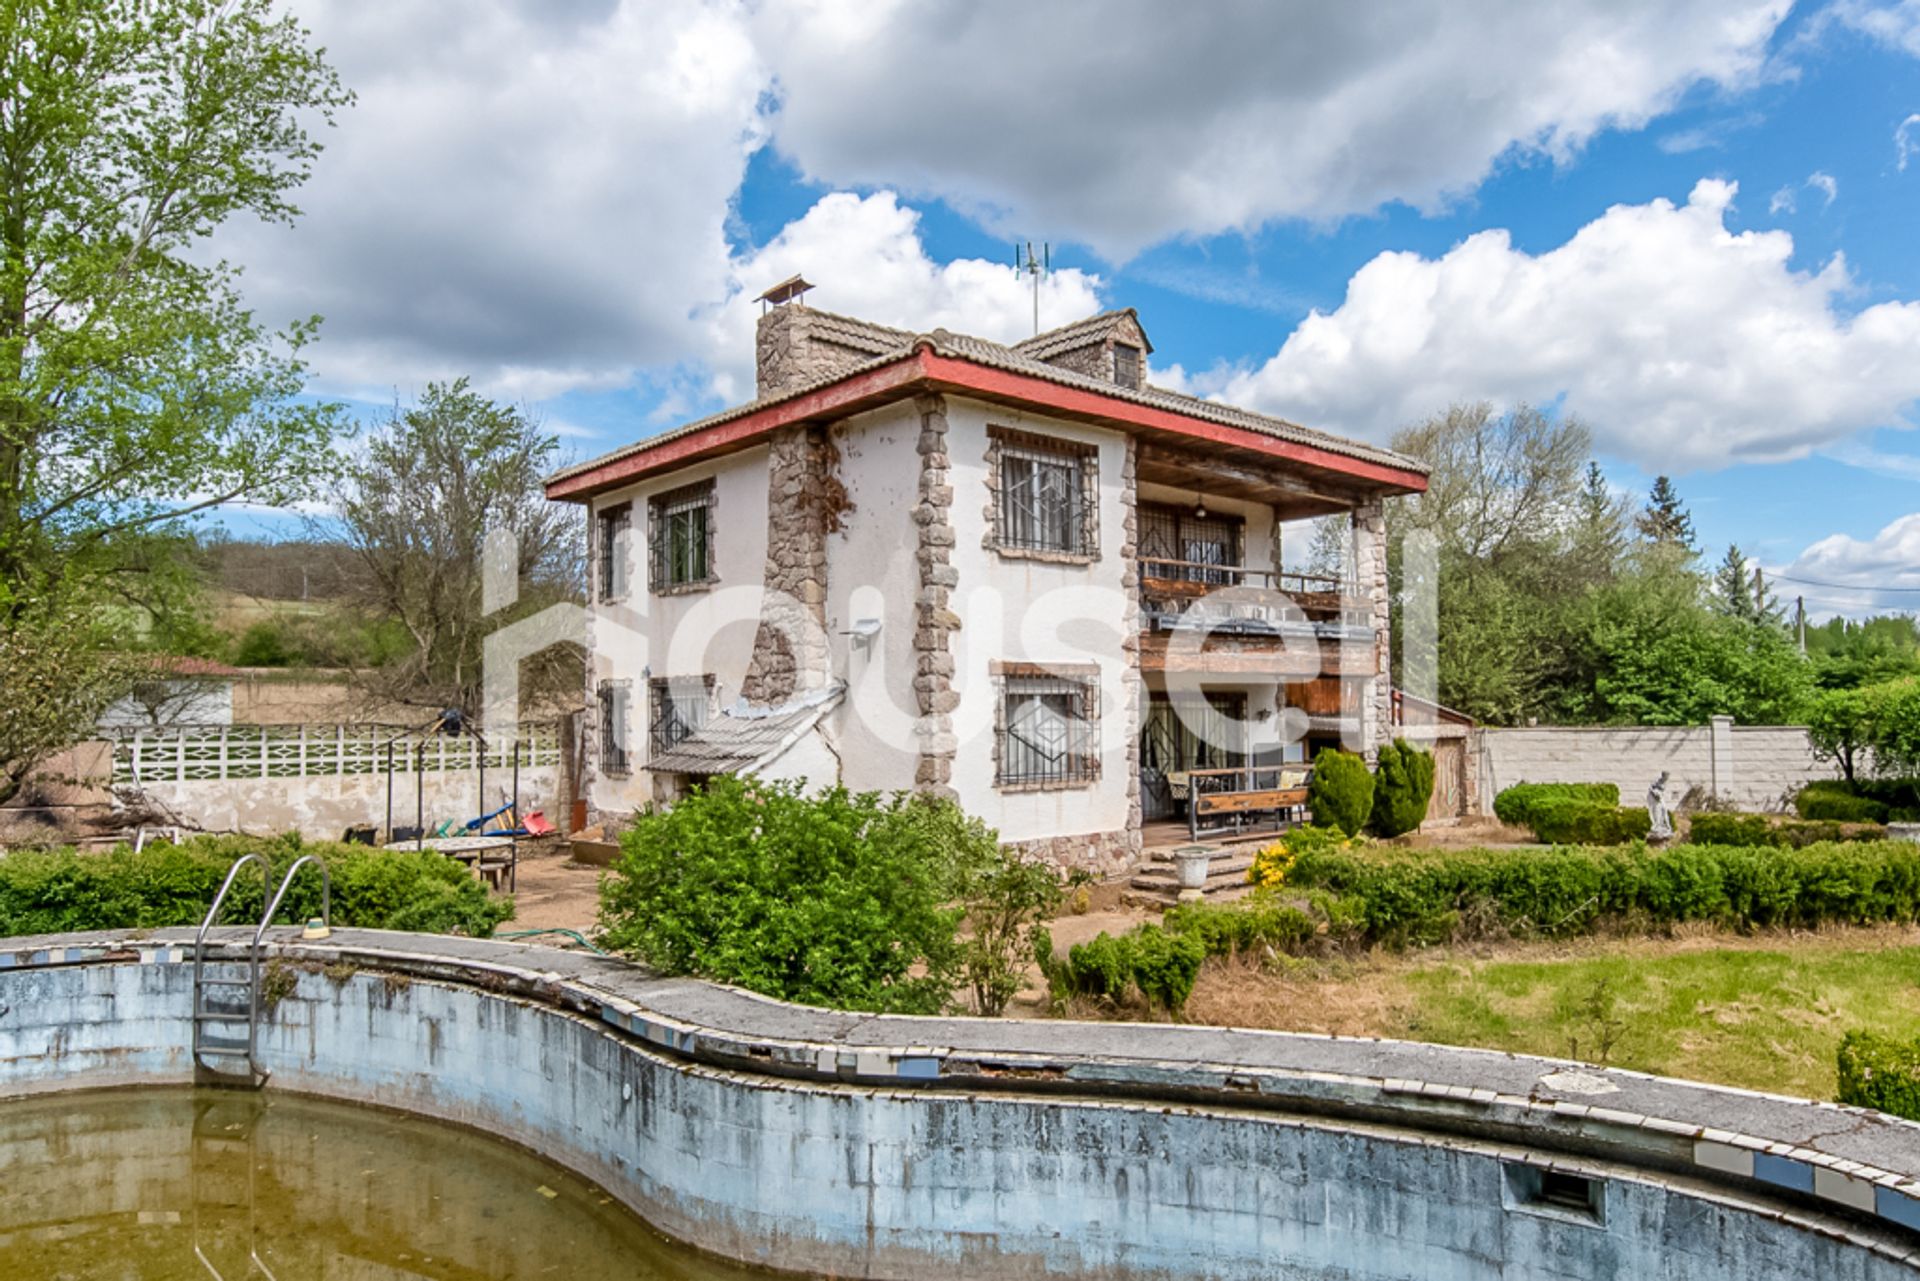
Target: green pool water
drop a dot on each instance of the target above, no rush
(152, 1185)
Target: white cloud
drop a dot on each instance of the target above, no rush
(1685, 345)
(532, 194)
(1826, 184)
(1782, 201)
(1905, 144)
(1849, 575)
(1123, 126)
(866, 258)
(1895, 25)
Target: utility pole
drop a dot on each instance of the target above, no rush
(1800, 622)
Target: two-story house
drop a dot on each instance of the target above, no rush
(1017, 575)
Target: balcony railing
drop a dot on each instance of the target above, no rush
(1175, 593)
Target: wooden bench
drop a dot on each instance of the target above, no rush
(1285, 803)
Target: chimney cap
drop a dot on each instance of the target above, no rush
(785, 292)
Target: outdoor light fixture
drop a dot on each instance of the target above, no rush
(863, 631)
(1199, 506)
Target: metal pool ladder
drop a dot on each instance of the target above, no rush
(210, 1047)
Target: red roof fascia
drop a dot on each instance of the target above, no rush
(735, 432)
(924, 365)
(987, 380)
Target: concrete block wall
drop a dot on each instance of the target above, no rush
(1752, 767)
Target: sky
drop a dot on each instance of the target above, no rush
(1693, 224)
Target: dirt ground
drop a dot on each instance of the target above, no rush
(555, 893)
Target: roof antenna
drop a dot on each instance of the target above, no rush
(1037, 269)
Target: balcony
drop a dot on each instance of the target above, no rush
(1197, 616)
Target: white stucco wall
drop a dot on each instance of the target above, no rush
(1017, 610)
(711, 632)
(872, 573)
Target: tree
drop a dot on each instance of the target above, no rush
(1665, 521)
(135, 389)
(1599, 525)
(1733, 588)
(1840, 726)
(1496, 482)
(416, 506)
(56, 685)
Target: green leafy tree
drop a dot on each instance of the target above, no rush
(1008, 900)
(56, 683)
(417, 504)
(1664, 520)
(135, 389)
(1600, 524)
(1840, 726)
(837, 899)
(1849, 653)
(1893, 717)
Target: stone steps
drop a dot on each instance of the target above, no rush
(1159, 880)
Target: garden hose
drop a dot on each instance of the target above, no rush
(575, 935)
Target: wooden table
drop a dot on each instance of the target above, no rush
(489, 855)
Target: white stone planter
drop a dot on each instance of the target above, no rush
(1190, 864)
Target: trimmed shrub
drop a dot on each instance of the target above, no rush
(1164, 966)
(1402, 788)
(1251, 924)
(1515, 805)
(1823, 800)
(1341, 791)
(1880, 1072)
(836, 899)
(62, 890)
(1567, 821)
(1758, 829)
(1394, 897)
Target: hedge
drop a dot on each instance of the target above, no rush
(1880, 1072)
(1424, 896)
(1839, 806)
(62, 891)
(1758, 829)
(1163, 961)
(1515, 805)
(1571, 821)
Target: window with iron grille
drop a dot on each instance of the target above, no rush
(1046, 496)
(1126, 365)
(679, 710)
(1048, 732)
(613, 696)
(680, 533)
(614, 524)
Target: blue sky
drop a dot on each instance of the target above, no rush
(596, 256)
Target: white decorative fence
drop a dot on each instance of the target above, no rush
(204, 752)
(321, 779)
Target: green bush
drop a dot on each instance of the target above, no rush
(1758, 829)
(1831, 800)
(1008, 900)
(1566, 821)
(1340, 792)
(1402, 788)
(1515, 805)
(1162, 965)
(1248, 925)
(1880, 1072)
(843, 900)
(60, 891)
(1396, 897)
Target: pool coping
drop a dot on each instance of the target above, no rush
(1854, 1160)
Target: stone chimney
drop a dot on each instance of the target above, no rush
(796, 345)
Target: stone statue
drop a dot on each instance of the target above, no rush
(1659, 811)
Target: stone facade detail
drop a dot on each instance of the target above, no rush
(1132, 685)
(1104, 854)
(934, 618)
(796, 346)
(1370, 561)
(804, 504)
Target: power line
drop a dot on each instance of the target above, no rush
(1845, 587)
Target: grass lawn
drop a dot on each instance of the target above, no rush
(1764, 1013)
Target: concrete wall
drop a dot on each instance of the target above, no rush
(324, 807)
(1752, 767)
(861, 1159)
